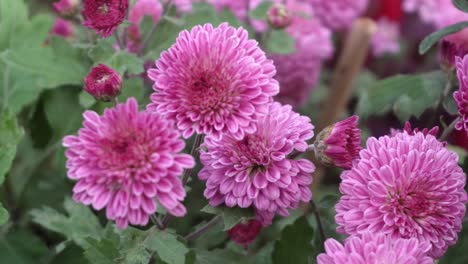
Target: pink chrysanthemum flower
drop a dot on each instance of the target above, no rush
(62, 28)
(125, 159)
(461, 96)
(370, 248)
(66, 7)
(386, 38)
(213, 81)
(104, 16)
(339, 144)
(245, 233)
(256, 170)
(279, 16)
(103, 83)
(407, 186)
(142, 8)
(338, 14)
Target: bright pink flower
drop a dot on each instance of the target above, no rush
(461, 96)
(371, 248)
(142, 8)
(62, 28)
(433, 131)
(103, 83)
(245, 233)
(407, 186)
(213, 81)
(256, 170)
(386, 38)
(104, 16)
(338, 14)
(125, 159)
(66, 7)
(339, 144)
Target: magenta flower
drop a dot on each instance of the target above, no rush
(461, 96)
(125, 159)
(142, 8)
(245, 233)
(386, 38)
(256, 170)
(371, 248)
(339, 144)
(66, 7)
(62, 28)
(104, 16)
(338, 14)
(213, 81)
(279, 16)
(103, 83)
(407, 186)
(433, 131)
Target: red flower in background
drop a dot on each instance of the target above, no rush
(104, 16)
(391, 9)
(245, 233)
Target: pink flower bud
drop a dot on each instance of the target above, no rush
(339, 144)
(104, 16)
(279, 16)
(103, 82)
(408, 128)
(245, 233)
(66, 7)
(62, 28)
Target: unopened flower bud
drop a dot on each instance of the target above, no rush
(62, 28)
(279, 16)
(245, 233)
(103, 82)
(339, 144)
(66, 7)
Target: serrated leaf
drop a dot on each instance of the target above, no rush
(433, 38)
(168, 248)
(132, 246)
(461, 4)
(260, 12)
(294, 246)
(21, 247)
(3, 215)
(218, 256)
(328, 201)
(101, 252)
(279, 42)
(231, 216)
(450, 105)
(10, 136)
(123, 61)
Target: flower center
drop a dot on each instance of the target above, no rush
(256, 152)
(103, 9)
(208, 93)
(103, 78)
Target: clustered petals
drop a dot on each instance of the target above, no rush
(461, 96)
(256, 170)
(66, 7)
(213, 81)
(103, 83)
(62, 28)
(338, 14)
(405, 186)
(370, 248)
(104, 16)
(245, 233)
(125, 159)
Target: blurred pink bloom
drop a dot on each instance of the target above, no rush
(339, 144)
(371, 248)
(66, 7)
(123, 160)
(241, 8)
(142, 8)
(386, 38)
(461, 96)
(406, 186)
(104, 16)
(62, 28)
(279, 16)
(183, 6)
(213, 81)
(338, 14)
(245, 233)
(103, 83)
(256, 170)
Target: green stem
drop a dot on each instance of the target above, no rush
(6, 76)
(318, 220)
(203, 229)
(448, 130)
(150, 34)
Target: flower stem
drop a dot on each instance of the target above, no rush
(315, 211)
(448, 130)
(203, 229)
(119, 41)
(115, 101)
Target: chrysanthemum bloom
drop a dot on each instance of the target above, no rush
(104, 16)
(245, 233)
(386, 38)
(279, 16)
(125, 159)
(62, 28)
(213, 81)
(339, 144)
(103, 83)
(370, 248)
(66, 7)
(407, 186)
(142, 8)
(461, 96)
(338, 14)
(256, 170)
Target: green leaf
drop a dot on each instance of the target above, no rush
(86, 100)
(433, 38)
(261, 11)
(279, 42)
(406, 95)
(21, 247)
(201, 13)
(10, 136)
(3, 215)
(79, 223)
(231, 216)
(132, 246)
(13, 15)
(295, 243)
(328, 201)
(461, 4)
(168, 248)
(104, 251)
(450, 105)
(218, 256)
(264, 255)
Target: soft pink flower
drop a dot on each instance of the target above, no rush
(213, 81)
(338, 14)
(142, 8)
(439, 13)
(123, 160)
(241, 8)
(66, 7)
(183, 6)
(103, 83)
(256, 170)
(104, 16)
(407, 186)
(371, 248)
(279, 16)
(245, 233)
(461, 96)
(339, 144)
(62, 28)
(386, 38)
